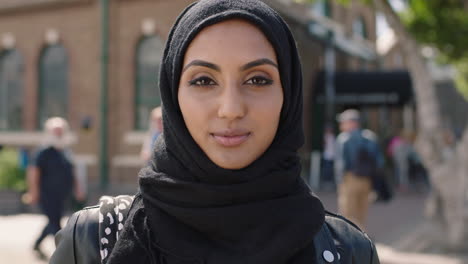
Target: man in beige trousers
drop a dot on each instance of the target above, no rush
(357, 159)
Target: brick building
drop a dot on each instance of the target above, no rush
(53, 56)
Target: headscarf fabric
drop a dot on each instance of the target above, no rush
(188, 209)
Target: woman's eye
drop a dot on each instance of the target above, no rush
(259, 80)
(202, 81)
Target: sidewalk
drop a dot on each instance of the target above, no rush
(389, 255)
(425, 245)
(17, 236)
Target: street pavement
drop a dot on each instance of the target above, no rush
(396, 227)
(400, 230)
(17, 236)
(388, 222)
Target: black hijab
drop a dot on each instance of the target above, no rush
(189, 210)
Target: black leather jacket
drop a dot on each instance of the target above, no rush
(78, 241)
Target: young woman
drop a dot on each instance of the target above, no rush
(224, 185)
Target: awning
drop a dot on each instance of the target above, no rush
(367, 88)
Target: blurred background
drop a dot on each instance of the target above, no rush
(402, 63)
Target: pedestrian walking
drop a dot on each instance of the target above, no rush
(50, 177)
(224, 185)
(154, 131)
(357, 162)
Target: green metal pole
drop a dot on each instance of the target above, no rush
(103, 155)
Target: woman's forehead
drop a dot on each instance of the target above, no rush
(235, 37)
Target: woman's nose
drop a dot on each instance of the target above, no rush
(231, 103)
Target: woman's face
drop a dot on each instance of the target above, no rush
(230, 93)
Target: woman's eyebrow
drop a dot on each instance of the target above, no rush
(258, 63)
(203, 64)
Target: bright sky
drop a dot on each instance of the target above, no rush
(382, 26)
(398, 5)
(385, 35)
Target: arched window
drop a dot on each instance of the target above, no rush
(11, 90)
(148, 56)
(359, 27)
(53, 83)
(322, 7)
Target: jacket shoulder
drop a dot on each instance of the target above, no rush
(81, 239)
(350, 241)
(368, 134)
(343, 137)
(78, 241)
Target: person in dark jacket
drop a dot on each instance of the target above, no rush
(224, 185)
(51, 178)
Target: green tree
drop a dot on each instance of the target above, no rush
(442, 24)
(12, 177)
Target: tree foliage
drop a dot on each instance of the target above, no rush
(461, 78)
(12, 177)
(441, 23)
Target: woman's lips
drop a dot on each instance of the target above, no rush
(230, 139)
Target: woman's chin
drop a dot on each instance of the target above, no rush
(233, 166)
(231, 162)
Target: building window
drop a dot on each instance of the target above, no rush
(11, 90)
(148, 56)
(53, 83)
(322, 7)
(359, 28)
